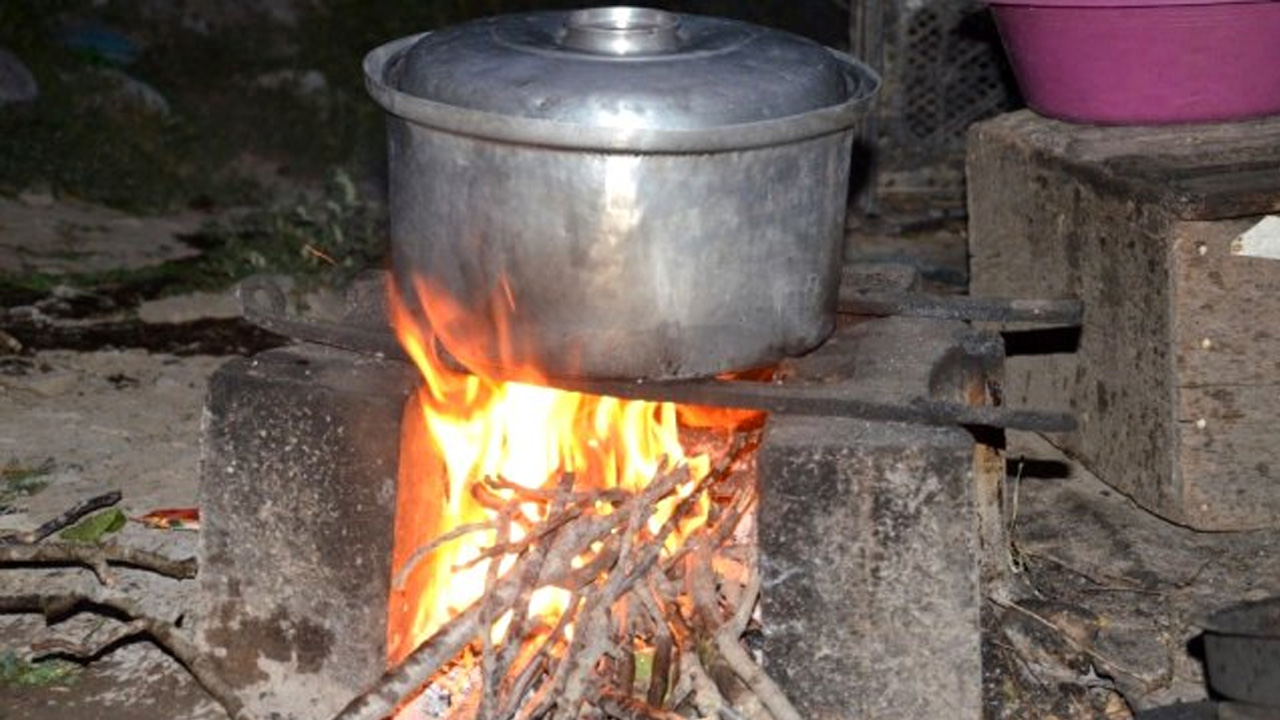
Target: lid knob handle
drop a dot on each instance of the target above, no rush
(621, 31)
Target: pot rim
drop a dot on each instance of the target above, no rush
(863, 83)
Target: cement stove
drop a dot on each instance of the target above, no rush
(874, 506)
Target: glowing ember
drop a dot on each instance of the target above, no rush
(475, 428)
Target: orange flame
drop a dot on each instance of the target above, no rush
(527, 434)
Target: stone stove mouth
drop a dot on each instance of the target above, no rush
(861, 519)
(545, 509)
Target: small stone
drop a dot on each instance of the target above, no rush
(17, 84)
(303, 82)
(186, 308)
(36, 198)
(9, 345)
(49, 384)
(135, 91)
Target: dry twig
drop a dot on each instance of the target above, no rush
(163, 633)
(489, 614)
(1066, 636)
(401, 682)
(66, 518)
(85, 650)
(532, 569)
(23, 549)
(663, 645)
(421, 553)
(617, 572)
(626, 708)
(97, 558)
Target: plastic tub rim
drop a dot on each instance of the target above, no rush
(1109, 4)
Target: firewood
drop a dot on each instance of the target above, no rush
(489, 614)
(532, 569)
(625, 587)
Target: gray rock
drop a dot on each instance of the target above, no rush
(187, 308)
(17, 84)
(133, 91)
(36, 198)
(297, 500)
(303, 82)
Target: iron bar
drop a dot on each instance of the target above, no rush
(1066, 311)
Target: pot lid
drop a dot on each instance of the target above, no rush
(614, 73)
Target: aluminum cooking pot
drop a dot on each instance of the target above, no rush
(618, 192)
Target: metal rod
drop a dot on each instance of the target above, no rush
(264, 306)
(821, 400)
(1065, 311)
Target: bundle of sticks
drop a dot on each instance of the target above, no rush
(653, 629)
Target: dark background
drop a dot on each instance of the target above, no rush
(230, 135)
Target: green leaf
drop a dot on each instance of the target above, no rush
(94, 527)
(18, 672)
(644, 669)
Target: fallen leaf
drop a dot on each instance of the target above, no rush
(172, 519)
(94, 527)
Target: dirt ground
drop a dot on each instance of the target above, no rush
(1095, 619)
(127, 420)
(1126, 591)
(91, 422)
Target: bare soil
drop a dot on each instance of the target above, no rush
(98, 421)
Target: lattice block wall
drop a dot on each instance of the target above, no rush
(943, 69)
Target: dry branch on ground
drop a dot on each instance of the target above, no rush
(27, 549)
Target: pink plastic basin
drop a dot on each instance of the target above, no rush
(1129, 62)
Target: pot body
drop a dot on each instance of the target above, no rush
(531, 262)
(618, 192)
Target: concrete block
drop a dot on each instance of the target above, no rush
(869, 560)
(298, 500)
(1173, 374)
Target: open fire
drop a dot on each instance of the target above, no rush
(510, 475)
(860, 524)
